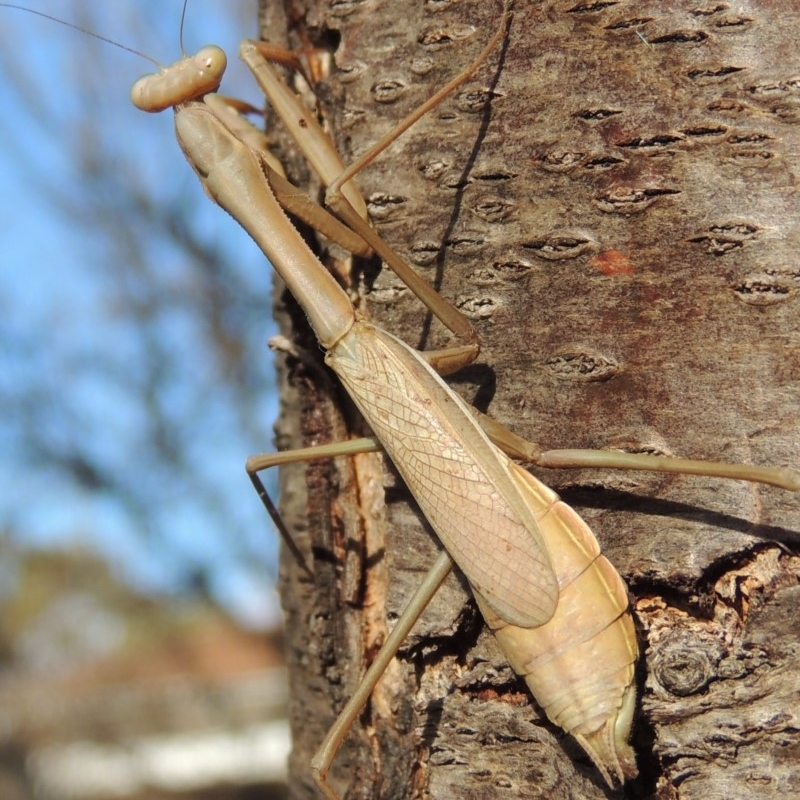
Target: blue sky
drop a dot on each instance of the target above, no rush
(58, 290)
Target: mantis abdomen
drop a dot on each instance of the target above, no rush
(558, 607)
(580, 664)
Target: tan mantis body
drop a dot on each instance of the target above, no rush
(467, 488)
(532, 562)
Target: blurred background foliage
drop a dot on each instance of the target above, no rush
(135, 374)
(136, 563)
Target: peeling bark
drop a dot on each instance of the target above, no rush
(612, 199)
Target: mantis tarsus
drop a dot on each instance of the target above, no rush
(267, 226)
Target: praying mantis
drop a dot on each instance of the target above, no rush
(237, 212)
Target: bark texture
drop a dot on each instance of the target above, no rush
(613, 200)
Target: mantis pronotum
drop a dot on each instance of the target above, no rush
(330, 334)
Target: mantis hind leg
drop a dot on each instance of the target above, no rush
(262, 461)
(517, 447)
(325, 754)
(323, 758)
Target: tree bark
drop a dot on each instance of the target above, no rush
(612, 200)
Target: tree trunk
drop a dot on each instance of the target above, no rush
(612, 200)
